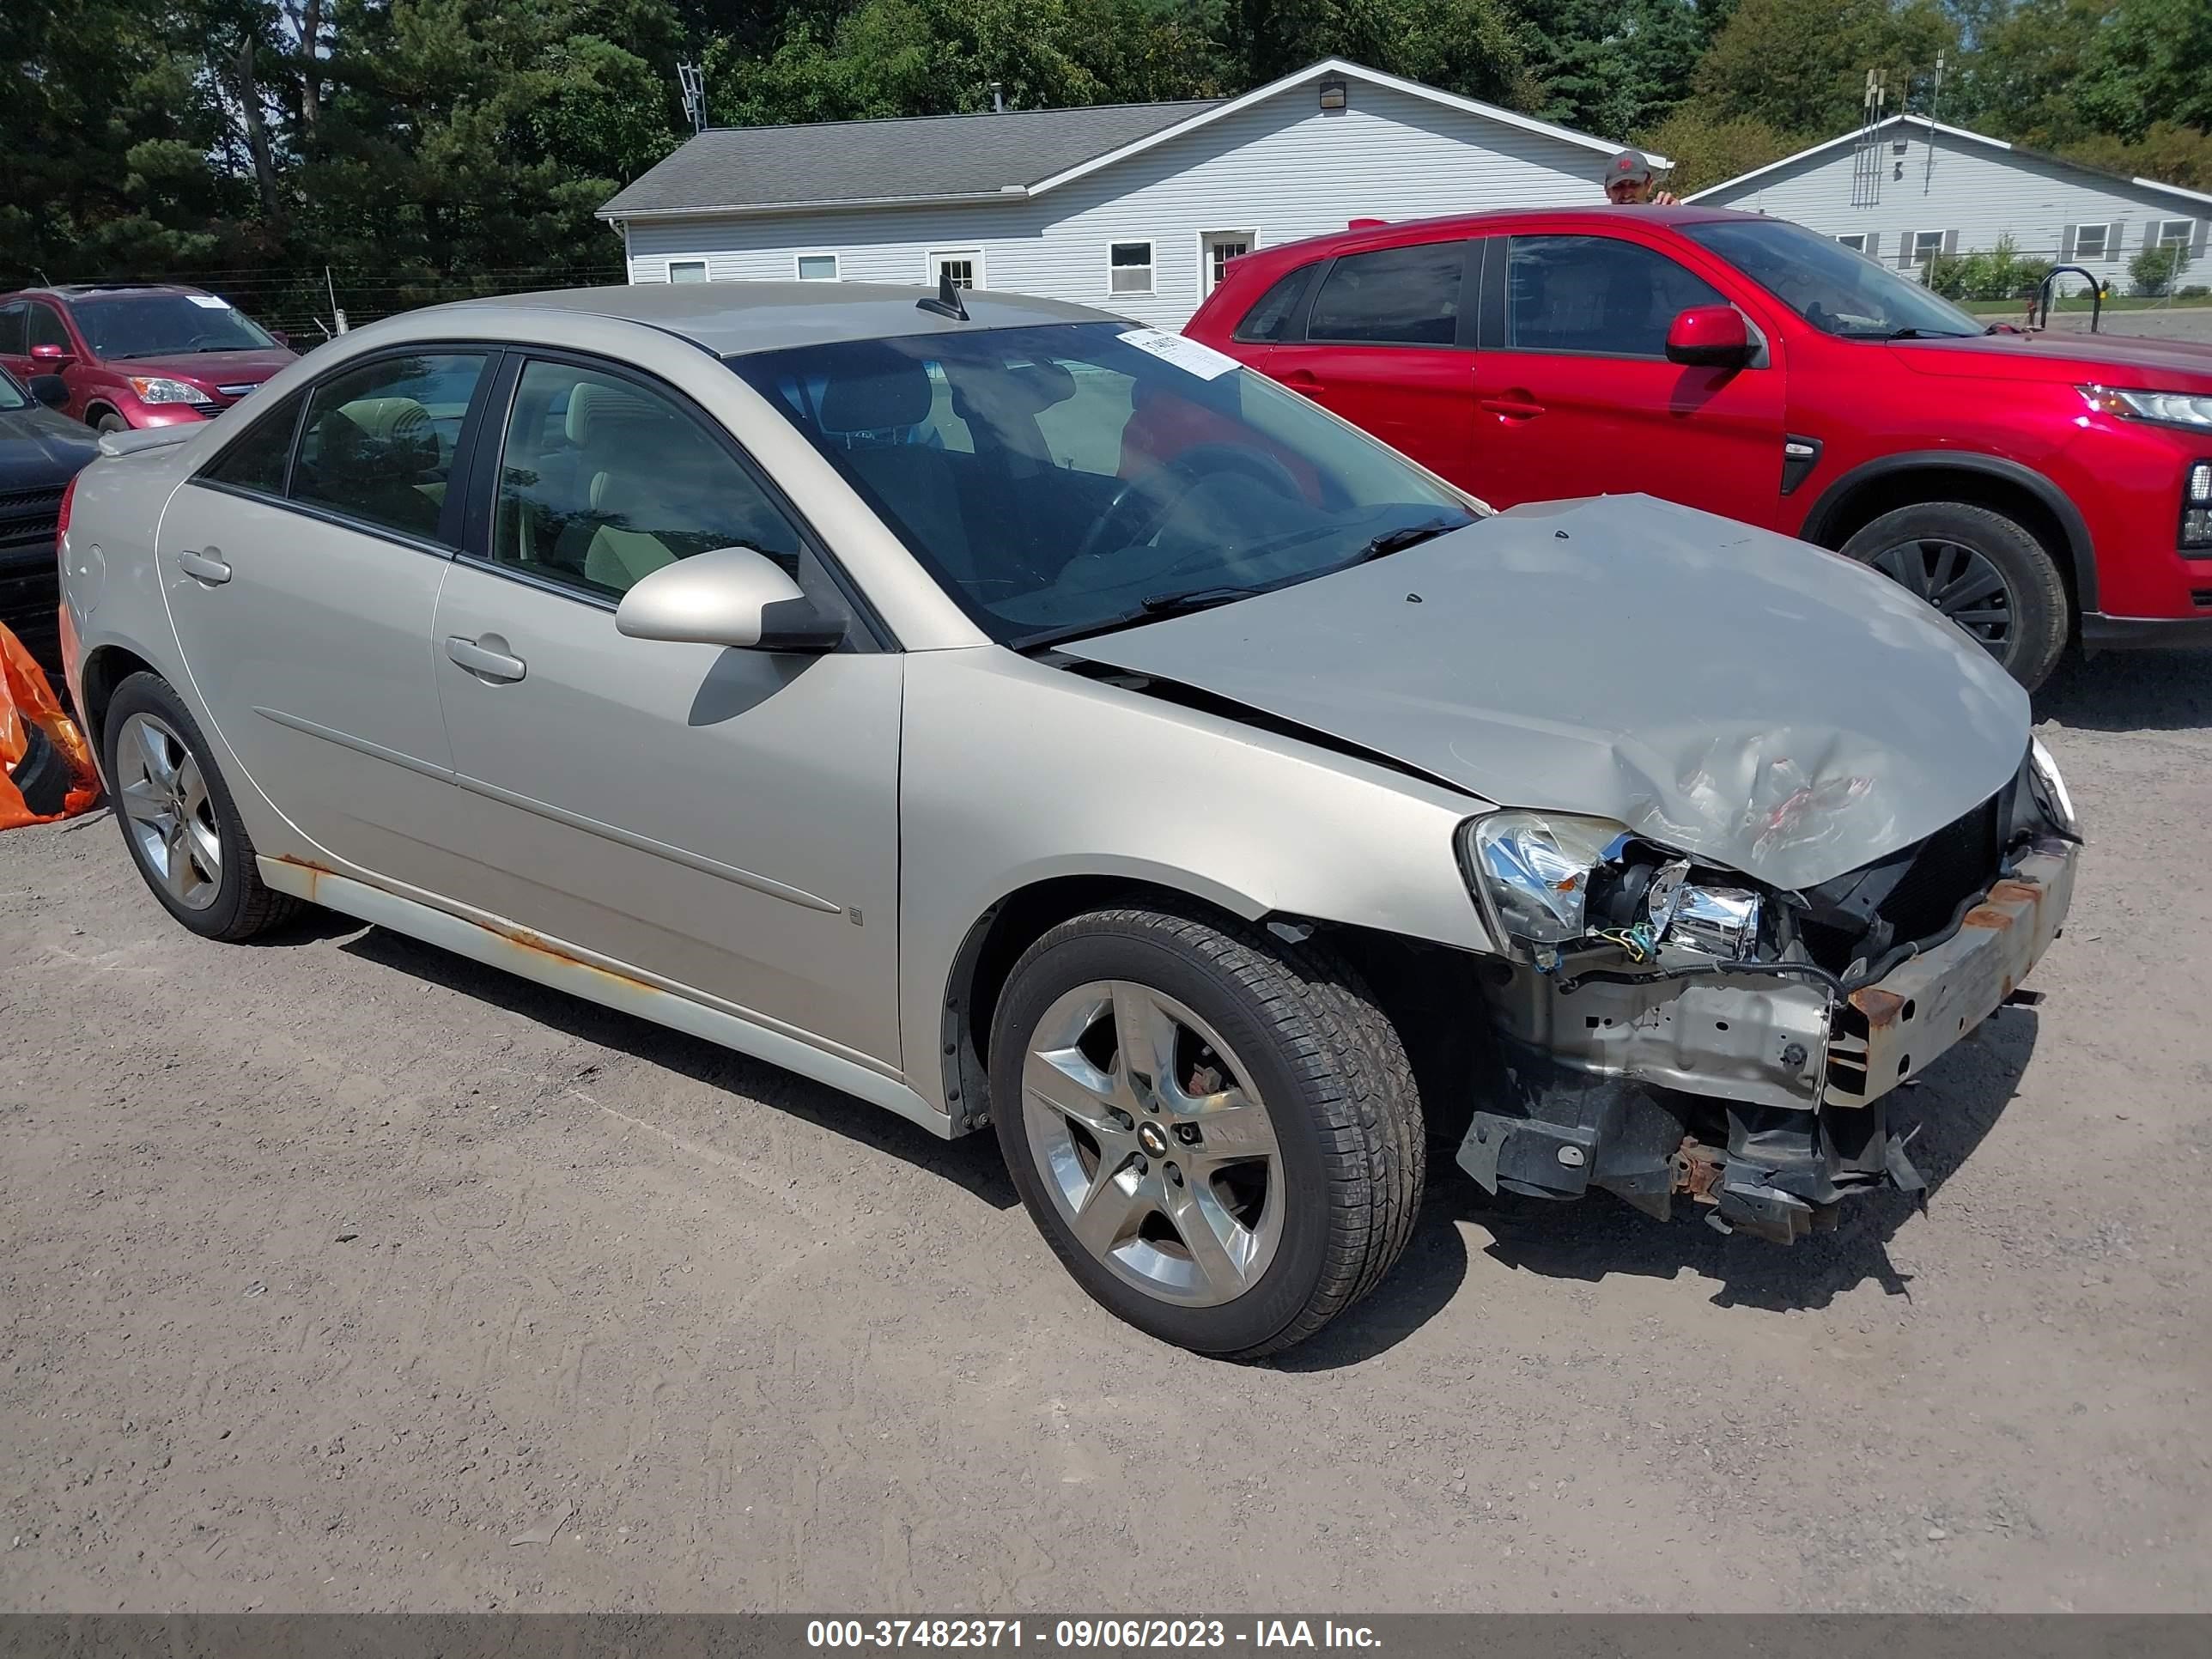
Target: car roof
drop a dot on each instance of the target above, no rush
(1496, 221)
(734, 319)
(93, 290)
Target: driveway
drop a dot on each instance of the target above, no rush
(333, 1266)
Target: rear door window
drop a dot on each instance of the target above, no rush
(1393, 295)
(379, 440)
(257, 459)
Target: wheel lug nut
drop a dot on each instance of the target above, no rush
(1175, 1174)
(1141, 1166)
(1186, 1134)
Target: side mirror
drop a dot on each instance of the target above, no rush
(50, 390)
(54, 354)
(1711, 337)
(280, 338)
(734, 597)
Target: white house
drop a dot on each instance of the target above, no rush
(1134, 207)
(1914, 187)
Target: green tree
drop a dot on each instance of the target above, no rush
(1610, 69)
(2152, 61)
(1708, 151)
(1801, 69)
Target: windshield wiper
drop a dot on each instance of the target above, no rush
(1406, 536)
(1196, 598)
(1925, 334)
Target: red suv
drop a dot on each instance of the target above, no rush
(2029, 485)
(137, 354)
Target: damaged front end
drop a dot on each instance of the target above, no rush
(1670, 1030)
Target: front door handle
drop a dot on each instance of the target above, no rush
(1302, 379)
(206, 566)
(1514, 408)
(486, 656)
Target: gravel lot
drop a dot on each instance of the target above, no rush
(332, 1268)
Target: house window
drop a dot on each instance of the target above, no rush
(1855, 241)
(2089, 241)
(687, 270)
(1130, 268)
(1926, 245)
(1220, 247)
(964, 265)
(2177, 233)
(817, 267)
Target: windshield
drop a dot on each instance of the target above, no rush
(166, 326)
(1063, 479)
(12, 396)
(1837, 290)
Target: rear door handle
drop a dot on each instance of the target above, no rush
(480, 659)
(205, 566)
(1517, 409)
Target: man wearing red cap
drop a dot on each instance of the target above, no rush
(1628, 180)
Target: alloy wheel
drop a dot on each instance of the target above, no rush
(163, 798)
(1958, 581)
(1154, 1146)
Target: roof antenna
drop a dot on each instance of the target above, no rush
(945, 302)
(693, 84)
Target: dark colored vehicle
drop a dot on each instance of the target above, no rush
(2032, 486)
(40, 451)
(138, 354)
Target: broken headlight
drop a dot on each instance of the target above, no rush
(1534, 869)
(2052, 789)
(1554, 880)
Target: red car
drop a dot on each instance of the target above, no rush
(137, 354)
(2034, 487)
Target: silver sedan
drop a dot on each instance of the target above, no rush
(1015, 717)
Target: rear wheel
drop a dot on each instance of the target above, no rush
(1220, 1136)
(1985, 572)
(178, 819)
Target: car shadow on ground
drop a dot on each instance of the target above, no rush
(972, 1161)
(1957, 1103)
(2129, 691)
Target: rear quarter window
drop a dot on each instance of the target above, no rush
(1269, 321)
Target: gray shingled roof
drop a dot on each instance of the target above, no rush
(913, 157)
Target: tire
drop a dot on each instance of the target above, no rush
(1948, 551)
(171, 848)
(1309, 1202)
(42, 776)
(110, 422)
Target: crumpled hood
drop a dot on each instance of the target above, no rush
(1726, 691)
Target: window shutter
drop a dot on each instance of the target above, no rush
(1905, 250)
(2150, 235)
(1950, 241)
(1873, 245)
(2066, 244)
(2112, 240)
(2196, 246)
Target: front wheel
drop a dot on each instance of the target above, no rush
(1218, 1135)
(1984, 571)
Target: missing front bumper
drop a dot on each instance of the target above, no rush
(1762, 1104)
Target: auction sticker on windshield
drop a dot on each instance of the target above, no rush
(209, 303)
(1192, 356)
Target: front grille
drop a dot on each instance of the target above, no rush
(1956, 863)
(30, 515)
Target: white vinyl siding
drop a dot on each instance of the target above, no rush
(1280, 166)
(1979, 192)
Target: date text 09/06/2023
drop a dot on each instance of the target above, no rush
(1090, 1634)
